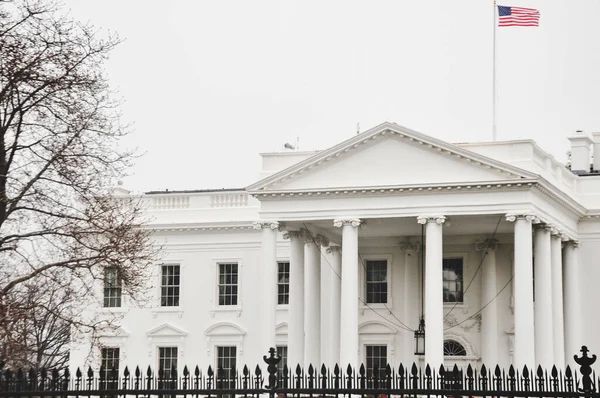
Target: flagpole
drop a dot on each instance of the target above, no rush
(494, 78)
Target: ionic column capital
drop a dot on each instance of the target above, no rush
(334, 249)
(294, 234)
(266, 224)
(545, 227)
(409, 247)
(438, 219)
(340, 222)
(489, 245)
(571, 242)
(512, 217)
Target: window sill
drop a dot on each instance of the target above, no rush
(237, 309)
(457, 307)
(167, 310)
(375, 306)
(113, 310)
(282, 307)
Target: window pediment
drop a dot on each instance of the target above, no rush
(375, 327)
(225, 329)
(166, 330)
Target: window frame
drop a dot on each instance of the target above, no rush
(285, 305)
(388, 257)
(465, 276)
(160, 287)
(366, 356)
(215, 295)
(119, 288)
(237, 284)
(159, 360)
(108, 383)
(217, 357)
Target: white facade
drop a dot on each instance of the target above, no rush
(365, 205)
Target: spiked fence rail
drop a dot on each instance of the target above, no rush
(402, 382)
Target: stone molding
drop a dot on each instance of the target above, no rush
(438, 219)
(489, 245)
(266, 224)
(409, 247)
(355, 222)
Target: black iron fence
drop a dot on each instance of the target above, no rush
(383, 383)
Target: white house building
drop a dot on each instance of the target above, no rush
(334, 256)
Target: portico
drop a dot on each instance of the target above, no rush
(459, 250)
(328, 283)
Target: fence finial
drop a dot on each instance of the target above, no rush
(585, 362)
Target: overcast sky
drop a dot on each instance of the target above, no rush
(211, 84)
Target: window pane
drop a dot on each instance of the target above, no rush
(376, 278)
(282, 351)
(453, 280)
(226, 365)
(283, 283)
(170, 286)
(228, 280)
(112, 288)
(376, 359)
(109, 368)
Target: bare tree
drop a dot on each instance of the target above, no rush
(60, 152)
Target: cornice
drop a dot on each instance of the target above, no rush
(397, 189)
(566, 201)
(389, 129)
(180, 227)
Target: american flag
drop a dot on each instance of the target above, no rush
(518, 16)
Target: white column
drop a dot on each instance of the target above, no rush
(544, 340)
(489, 315)
(333, 298)
(434, 302)
(524, 348)
(268, 282)
(349, 292)
(412, 296)
(312, 303)
(296, 305)
(572, 304)
(558, 327)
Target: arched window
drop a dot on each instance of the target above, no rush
(453, 348)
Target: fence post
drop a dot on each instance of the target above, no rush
(272, 360)
(585, 367)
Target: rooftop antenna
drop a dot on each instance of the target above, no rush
(357, 128)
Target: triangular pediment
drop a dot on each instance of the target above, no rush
(113, 331)
(389, 155)
(166, 330)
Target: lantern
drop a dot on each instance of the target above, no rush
(420, 338)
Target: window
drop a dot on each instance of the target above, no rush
(226, 365)
(453, 348)
(282, 351)
(453, 280)
(169, 286)
(112, 288)
(109, 368)
(228, 284)
(167, 362)
(376, 360)
(283, 283)
(377, 287)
